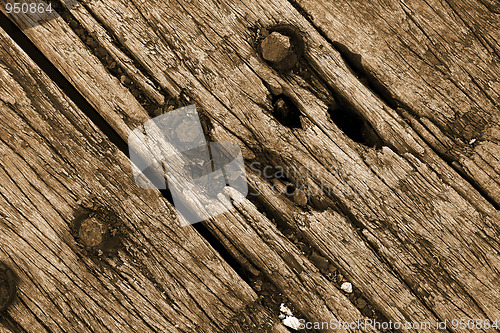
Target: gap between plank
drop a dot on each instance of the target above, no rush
(381, 91)
(53, 73)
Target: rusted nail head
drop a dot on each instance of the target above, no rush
(92, 232)
(97, 230)
(300, 197)
(282, 47)
(276, 47)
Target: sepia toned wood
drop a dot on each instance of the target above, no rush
(310, 292)
(418, 240)
(146, 86)
(54, 164)
(278, 258)
(339, 241)
(437, 60)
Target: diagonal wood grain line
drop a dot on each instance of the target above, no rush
(435, 64)
(35, 54)
(427, 222)
(53, 161)
(312, 293)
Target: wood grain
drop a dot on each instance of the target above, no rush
(309, 291)
(436, 59)
(55, 163)
(422, 225)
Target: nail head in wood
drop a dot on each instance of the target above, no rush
(276, 47)
(299, 197)
(92, 232)
(281, 47)
(97, 231)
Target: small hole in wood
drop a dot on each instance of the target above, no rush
(355, 127)
(290, 189)
(8, 286)
(286, 112)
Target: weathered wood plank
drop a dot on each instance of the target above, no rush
(141, 35)
(437, 59)
(54, 162)
(338, 240)
(98, 33)
(242, 94)
(396, 195)
(309, 298)
(278, 258)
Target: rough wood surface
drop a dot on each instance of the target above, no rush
(340, 242)
(424, 232)
(436, 60)
(55, 163)
(315, 297)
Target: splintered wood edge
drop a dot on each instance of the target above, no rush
(184, 77)
(45, 180)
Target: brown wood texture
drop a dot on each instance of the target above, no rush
(311, 293)
(54, 162)
(408, 230)
(439, 64)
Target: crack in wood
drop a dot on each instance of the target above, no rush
(96, 118)
(444, 67)
(391, 171)
(8, 286)
(112, 52)
(39, 58)
(83, 319)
